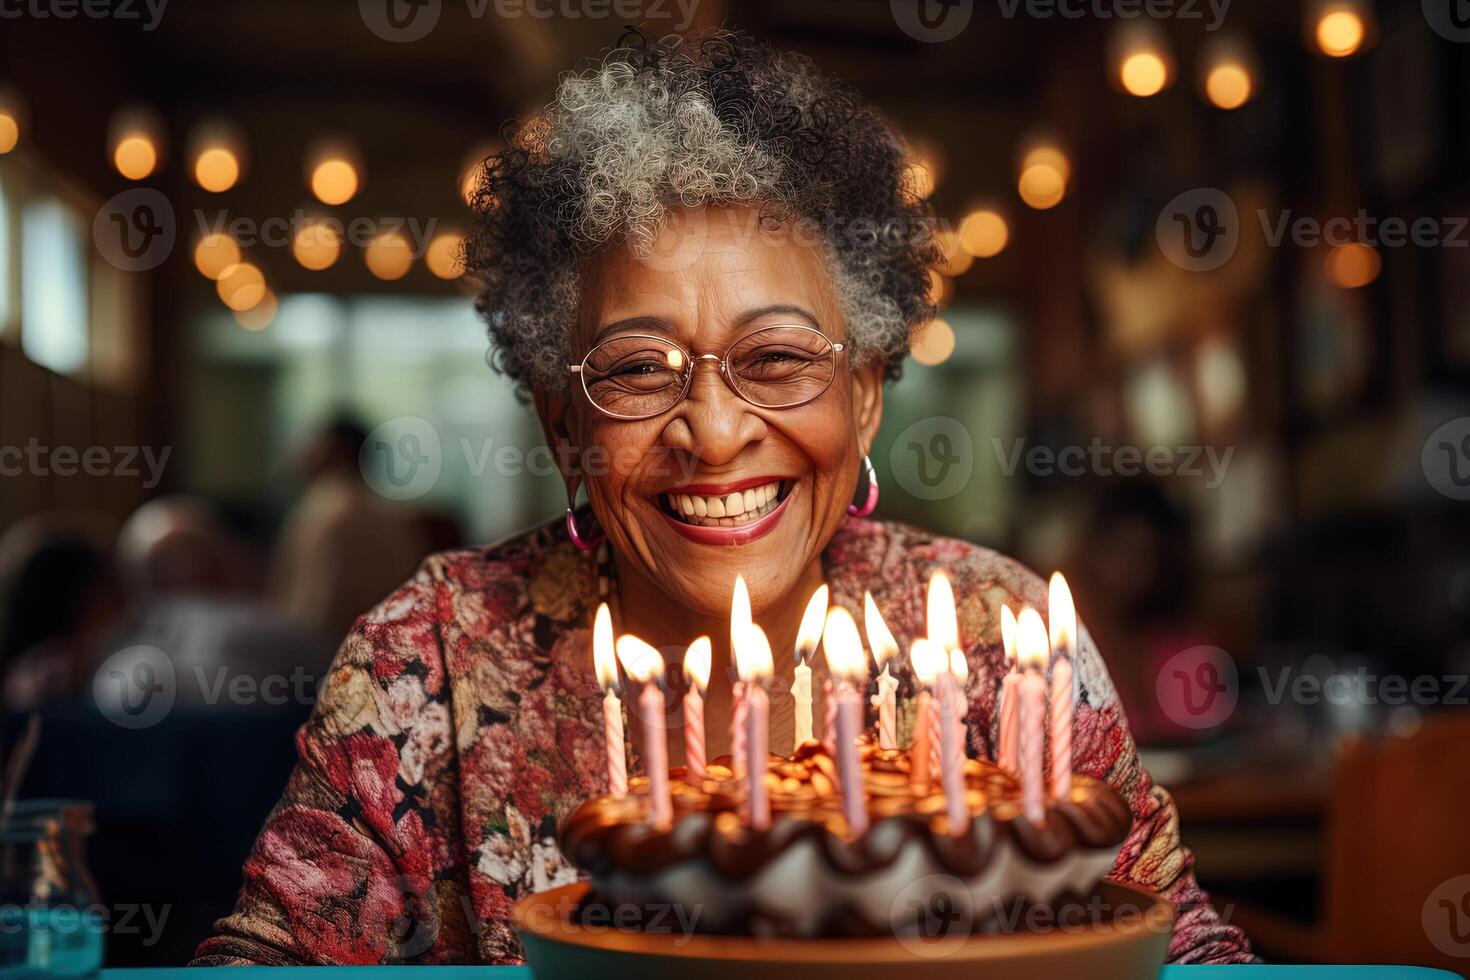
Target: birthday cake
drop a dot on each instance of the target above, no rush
(806, 875)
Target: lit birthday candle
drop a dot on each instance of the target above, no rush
(921, 747)
(1010, 727)
(606, 665)
(1031, 652)
(1062, 620)
(643, 663)
(696, 670)
(753, 661)
(740, 619)
(944, 632)
(807, 638)
(885, 648)
(848, 665)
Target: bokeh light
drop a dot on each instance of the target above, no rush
(1353, 265)
(444, 256)
(214, 253)
(241, 286)
(984, 233)
(933, 343)
(955, 260)
(261, 315)
(1340, 32)
(217, 169)
(317, 244)
(389, 256)
(135, 156)
(9, 131)
(1144, 73)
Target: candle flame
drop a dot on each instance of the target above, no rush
(739, 611)
(843, 647)
(880, 637)
(697, 661)
(928, 658)
(603, 659)
(1031, 640)
(1008, 633)
(1062, 615)
(753, 654)
(641, 661)
(943, 628)
(959, 666)
(810, 633)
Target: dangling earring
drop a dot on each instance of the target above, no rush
(587, 542)
(870, 502)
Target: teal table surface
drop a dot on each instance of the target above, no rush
(1258, 972)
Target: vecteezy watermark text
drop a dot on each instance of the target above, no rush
(403, 21)
(150, 12)
(1098, 459)
(36, 459)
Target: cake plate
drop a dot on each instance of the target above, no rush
(1128, 942)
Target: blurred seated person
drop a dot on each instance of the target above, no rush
(342, 548)
(186, 574)
(59, 600)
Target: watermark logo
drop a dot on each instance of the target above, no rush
(1446, 459)
(1199, 230)
(135, 230)
(1450, 19)
(149, 12)
(400, 21)
(135, 687)
(1446, 917)
(1189, 462)
(932, 916)
(932, 21)
(402, 458)
(1199, 687)
(933, 458)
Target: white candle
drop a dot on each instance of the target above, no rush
(756, 740)
(1062, 620)
(928, 660)
(696, 670)
(952, 756)
(807, 637)
(884, 648)
(1031, 649)
(844, 651)
(643, 663)
(605, 663)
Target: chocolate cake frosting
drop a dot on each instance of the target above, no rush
(807, 875)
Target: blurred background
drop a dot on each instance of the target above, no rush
(1204, 344)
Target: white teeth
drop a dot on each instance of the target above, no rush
(731, 510)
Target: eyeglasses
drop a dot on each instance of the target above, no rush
(638, 376)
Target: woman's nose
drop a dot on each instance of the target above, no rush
(713, 424)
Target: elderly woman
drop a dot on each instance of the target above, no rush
(702, 262)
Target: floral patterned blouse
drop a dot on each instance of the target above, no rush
(461, 721)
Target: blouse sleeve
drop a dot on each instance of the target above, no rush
(343, 871)
(1153, 856)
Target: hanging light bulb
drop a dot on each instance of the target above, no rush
(12, 118)
(1142, 64)
(216, 155)
(1340, 28)
(1044, 172)
(333, 171)
(135, 142)
(1228, 73)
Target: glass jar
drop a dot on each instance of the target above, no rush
(51, 923)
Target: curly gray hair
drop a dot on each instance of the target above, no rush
(717, 120)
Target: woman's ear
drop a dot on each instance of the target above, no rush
(867, 401)
(553, 408)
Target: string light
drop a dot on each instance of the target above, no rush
(984, 232)
(933, 343)
(389, 256)
(1227, 72)
(241, 286)
(135, 137)
(214, 253)
(317, 244)
(1353, 265)
(1142, 64)
(444, 256)
(1044, 173)
(1340, 28)
(333, 172)
(217, 151)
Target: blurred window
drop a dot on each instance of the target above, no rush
(53, 288)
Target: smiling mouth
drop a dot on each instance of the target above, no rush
(735, 509)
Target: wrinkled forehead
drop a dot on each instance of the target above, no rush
(709, 276)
